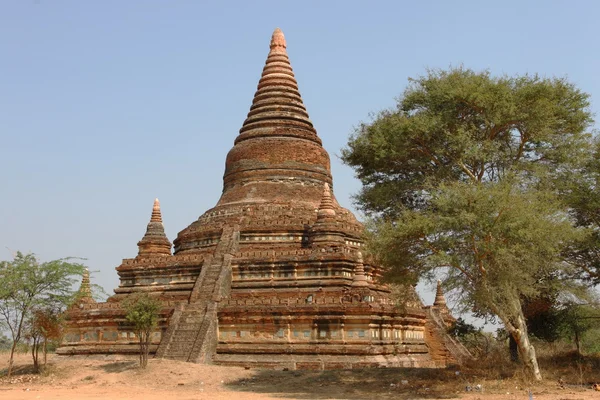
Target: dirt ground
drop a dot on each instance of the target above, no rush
(117, 377)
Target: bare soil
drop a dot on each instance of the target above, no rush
(118, 377)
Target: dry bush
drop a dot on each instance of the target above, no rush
(558, 362)
(561, 362)
(492, 361)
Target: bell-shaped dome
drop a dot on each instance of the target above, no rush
(276, 171)
(277, 142)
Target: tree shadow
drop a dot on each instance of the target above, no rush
(118, 366)
(380, 383)
(26, 369)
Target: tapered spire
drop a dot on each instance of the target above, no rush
(360, 279)
(155, 241)
(85, 290)
(156, 216)
(326, 209)
(440, 306)
(440, 300)
(326, 232)
(277, 142)
(277, 102)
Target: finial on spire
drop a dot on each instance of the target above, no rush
(156, 216)
(278, 41)
(326, 208)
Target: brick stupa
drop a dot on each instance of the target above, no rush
(273, 275)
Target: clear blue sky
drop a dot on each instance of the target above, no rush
(105, 105)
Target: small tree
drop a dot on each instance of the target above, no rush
(34, 337)
(27, 285)
(142, 312)
(46, 325)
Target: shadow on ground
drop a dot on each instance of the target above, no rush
(19, 370)
(118, 366)
(380, 383)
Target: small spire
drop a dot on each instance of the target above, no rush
(155, 241)
(326, 208)
(156, 215)
(85, 290)
(278, 44)
(360, 279)
(440, 300)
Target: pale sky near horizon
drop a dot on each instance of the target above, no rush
(105, 105)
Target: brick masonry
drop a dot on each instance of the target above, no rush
(273, 275)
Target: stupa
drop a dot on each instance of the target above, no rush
(273, 275)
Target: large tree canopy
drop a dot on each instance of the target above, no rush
(461, 177)
(459, 125)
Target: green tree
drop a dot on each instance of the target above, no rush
(459, 178)
(142, 312)
(27, 285)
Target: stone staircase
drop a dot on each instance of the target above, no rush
(192, 332)
(444, 350)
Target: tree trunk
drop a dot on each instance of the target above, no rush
(518, 331)
(45, 350)
(146, 349)
(143, 353)
(147, 345)
(513, 349)
(34, 354)
(12, 358)
(16, 339)
(578, 343)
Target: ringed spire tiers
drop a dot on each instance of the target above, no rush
(440, 299)
(360, 279)
(155, 241)
(277, 142)
(85, 290)
(326, 209)
(156, 215)
(277, 102)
